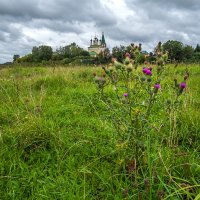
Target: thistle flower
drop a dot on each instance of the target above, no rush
(157, 86)
(125, 94)
(128, 55)
(148, 72)
(144, 70)
(182, 85)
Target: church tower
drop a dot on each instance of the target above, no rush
(97, 45)
(103, 42)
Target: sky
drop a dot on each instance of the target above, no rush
(28, 23)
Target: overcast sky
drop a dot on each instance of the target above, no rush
(28, 23)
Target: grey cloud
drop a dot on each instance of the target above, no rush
(151, 21)
(77, 10)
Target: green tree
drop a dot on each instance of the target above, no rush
(119, 52)
(175, 50)
(42, 53)
(197, 49)
(15, 57)
(188, 52)
(26, 58)
(104, 56)
(71, 51)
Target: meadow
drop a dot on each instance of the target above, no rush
(58, 141)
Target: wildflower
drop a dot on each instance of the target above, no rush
(157, 86)
(148, 72)
(182, 85)
(127, 55)
(125, 94)
(144, 70)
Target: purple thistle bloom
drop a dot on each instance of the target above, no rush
(182, 85)
(144, 70)
(148, 72)
(125, 94)
(157, 86)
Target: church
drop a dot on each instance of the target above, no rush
(97, 45)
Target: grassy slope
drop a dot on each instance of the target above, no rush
(55, 141)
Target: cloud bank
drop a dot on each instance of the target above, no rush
(25, 24)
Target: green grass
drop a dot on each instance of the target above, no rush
(57, 140)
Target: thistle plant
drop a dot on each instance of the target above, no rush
(134, 98)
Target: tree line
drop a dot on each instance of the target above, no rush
(72, 54)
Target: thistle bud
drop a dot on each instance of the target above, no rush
(127, 61)
(118, 65)
(127, 55)
(149, 80)
(185, 77)
(156, 87)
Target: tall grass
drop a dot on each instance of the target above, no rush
(57, 140)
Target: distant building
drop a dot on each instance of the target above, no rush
(97, 45)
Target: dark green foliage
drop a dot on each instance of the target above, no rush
(178, 52)
(42, 53)
(104, 57)
(197, 49)
(119, 52)
(71, 51)
(15, 57)
(174, 49)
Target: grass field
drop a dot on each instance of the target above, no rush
(57, 140)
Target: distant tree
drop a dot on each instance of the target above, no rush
(71, 51)
(188, 52)
(15, 57)
(197, 49)
(104, 56)
(42, 53)
(84, 53)
(151, 58)
(196, 57)
(119, 52)
(175, 50)
(26, 58)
